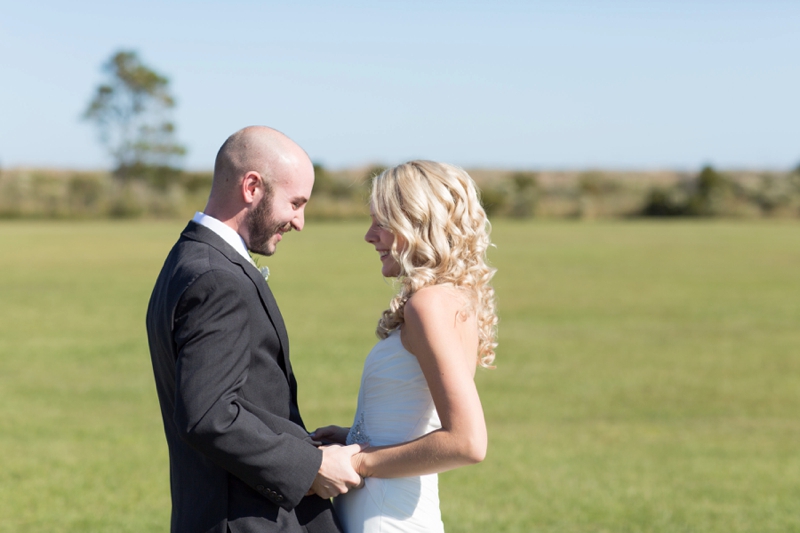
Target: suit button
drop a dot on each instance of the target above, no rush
(260, 488)
(279, 498)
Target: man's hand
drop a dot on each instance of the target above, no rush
(336, 474)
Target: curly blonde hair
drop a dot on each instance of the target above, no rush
(434, 210)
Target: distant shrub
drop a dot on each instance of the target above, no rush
(711, 190)
(48, 192)
(373, 171)
(523, 203)
(709, 194)
(128, 202)
(494, 199)
(326, 184)
(514, 195)
(86, 195)
(593, 187)
(662, 203)
(339, 195)
(197, 182)
(11, 197)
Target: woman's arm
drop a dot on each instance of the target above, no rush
(444, 338)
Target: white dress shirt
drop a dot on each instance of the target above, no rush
(226, 232)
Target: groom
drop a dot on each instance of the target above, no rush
(240, 458)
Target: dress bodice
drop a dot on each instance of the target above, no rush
(394, 406)
(394, 402)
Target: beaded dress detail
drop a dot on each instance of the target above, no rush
(394, 406)
(357, 433)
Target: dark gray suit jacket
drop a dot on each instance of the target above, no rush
(240, 458)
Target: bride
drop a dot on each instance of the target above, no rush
(418, 407)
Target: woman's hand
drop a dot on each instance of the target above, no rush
(331, 434)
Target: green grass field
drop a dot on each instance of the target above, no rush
(648, 374)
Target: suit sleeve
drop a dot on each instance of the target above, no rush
(212, 335)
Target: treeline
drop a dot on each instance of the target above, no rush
(609, 194)
(156, 192)
(163, 192)
(44, 193)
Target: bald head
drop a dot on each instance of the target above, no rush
(255, 148)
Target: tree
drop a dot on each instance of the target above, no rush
(132, 115)
(711, 188)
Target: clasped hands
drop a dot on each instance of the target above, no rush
(338, 472)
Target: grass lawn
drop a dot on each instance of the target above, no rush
(648, 374)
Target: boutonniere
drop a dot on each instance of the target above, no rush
(264, 270)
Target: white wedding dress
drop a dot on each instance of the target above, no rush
(394, 406)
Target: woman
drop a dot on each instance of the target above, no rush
(418, 408)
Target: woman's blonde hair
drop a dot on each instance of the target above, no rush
(434, 211)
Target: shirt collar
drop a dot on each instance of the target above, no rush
(227, 233)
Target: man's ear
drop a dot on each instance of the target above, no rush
(252, 189)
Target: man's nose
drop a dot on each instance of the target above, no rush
(299, 221)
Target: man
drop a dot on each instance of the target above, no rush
(240, 458)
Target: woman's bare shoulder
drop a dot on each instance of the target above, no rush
(437, 302)
(440, 325)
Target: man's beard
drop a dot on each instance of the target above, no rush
(261, 227)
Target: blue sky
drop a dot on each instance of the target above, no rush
(567, 84)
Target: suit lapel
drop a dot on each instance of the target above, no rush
(197, 232)
(272, 311)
